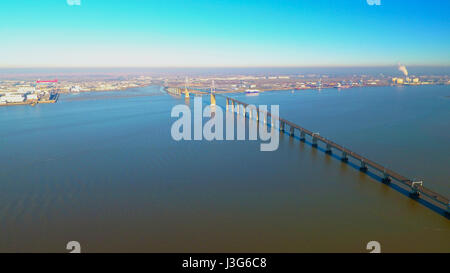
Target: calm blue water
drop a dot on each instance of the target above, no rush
(403, 128)
(102, 169)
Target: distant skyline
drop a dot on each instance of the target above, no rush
(245, 33)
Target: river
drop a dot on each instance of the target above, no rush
(102, 169)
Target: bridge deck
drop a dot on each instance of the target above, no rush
(439, 199)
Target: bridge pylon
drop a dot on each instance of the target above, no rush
(415, 189)
(302, 136)
(386, 179)
(213, 94)
(328, 149)
(314, 139)
(291, 131)
(186, 90)
(363, 167)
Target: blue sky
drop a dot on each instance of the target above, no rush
(190, 33)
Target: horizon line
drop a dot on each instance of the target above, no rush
(196, 67)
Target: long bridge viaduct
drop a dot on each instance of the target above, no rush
(416, 188)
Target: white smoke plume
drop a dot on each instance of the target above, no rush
(403, 69)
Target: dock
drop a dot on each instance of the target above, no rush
(52, 99)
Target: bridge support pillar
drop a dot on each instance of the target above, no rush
(302, 136)
(282, 126)
(237, 108)
(186, 94)
(363, 167)
(314, 140)
(344, 157)
(291, 131)
(227, 102)
(415, 187)
(328, 149)
(448, 210)
(386, 179)
(213, 99)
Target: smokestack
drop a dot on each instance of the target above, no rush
(403, 69)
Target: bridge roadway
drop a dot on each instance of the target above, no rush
(417, 190)
(182, 90)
